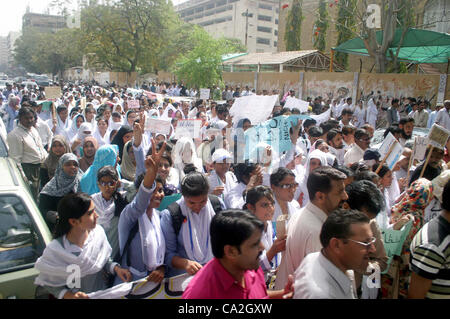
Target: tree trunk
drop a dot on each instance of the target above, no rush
(380, 62)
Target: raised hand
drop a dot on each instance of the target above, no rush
(137, 132)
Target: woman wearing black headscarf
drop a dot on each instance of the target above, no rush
(124, 135)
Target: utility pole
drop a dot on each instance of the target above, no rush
(246, 27)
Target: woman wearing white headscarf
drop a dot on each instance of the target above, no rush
(372, 113)
(101, 132)
(72, 131)
(315, 159)
(184, 153)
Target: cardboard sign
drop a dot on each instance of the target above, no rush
(53, 93)
(323, 117)
(420, 147)
(257, 108)
(157, 126)
(134, 104)
(393, 241)
(190, 128)
(292, 102)
(205, 94)
(396, 152)
(438, 136)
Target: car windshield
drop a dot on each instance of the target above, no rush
(378, 136)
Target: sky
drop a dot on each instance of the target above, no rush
(13, 11)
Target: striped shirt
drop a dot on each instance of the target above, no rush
(430, 256)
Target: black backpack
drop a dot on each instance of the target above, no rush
(177, 220)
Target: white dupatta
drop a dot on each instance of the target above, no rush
(152, 240)
(54, 262)
(195, 232)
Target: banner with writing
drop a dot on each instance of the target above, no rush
(190, 128)
(420, 147)
(294, 103)
(157, 126)
(438, 136)
(52, 93)
(205, 94)
(257, 108)
(134, 104)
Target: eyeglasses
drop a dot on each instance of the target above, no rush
(286, 186)
(110, 184)
(164, 165)
(366, 245)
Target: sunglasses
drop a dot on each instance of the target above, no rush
(366, 245)
(110, 184)
(286, 186)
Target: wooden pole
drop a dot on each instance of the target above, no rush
(331, 60)
(426, 162)
(386, 157)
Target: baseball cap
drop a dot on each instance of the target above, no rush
(220, 155)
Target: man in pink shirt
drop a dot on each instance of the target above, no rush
(234, 273)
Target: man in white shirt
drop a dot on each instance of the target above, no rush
(327, 192)
(443, 117)
(335, 142)
(221, 180)
(356, 152)
(347, 240)
(421, 115)
(25, 147)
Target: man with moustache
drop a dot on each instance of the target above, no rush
(327, 193)
(347, 240)
(335, 142)
(406, 124)
(234, 273)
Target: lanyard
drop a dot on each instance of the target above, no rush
(220, 184)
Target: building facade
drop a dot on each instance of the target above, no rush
(254, 23)
(42, 22)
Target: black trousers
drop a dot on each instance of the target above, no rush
(32, 173)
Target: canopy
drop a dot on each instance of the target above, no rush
(419, 46)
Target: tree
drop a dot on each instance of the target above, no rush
(321, 27)
(346, 27)
(129, 35)
(51, 53)
(294, 27)
(201, 67)
(352, 22)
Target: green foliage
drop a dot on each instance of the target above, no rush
(321, 27)
(48, 52)
(201, 67)
(345, 26)
(294, 27)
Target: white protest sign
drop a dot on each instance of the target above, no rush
(420, 147)
(157, 126)
(257, 108)
(292, 102)
(323, 117)
(134, 104)
(213, 132)
(438, 136)
(396, 152)
(205, 94)
(52, 92)
(190, 128)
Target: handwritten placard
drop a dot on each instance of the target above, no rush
(134, 104)
(157, 126)
(190, 128)
(205, 94)
(53, 93)
(438, 136)
(393, 241)
(396, 152)
(420, 147)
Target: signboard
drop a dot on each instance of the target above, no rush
(134, 104)
(292, 102)
(190, 128)
(396, 152)
(438, 136)
(157, 126)
(53, 93)
(257, 108)
(420, 147)
(205, 94)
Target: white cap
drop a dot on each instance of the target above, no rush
(220, 155)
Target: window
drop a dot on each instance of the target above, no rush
(276, 21)
(20, 244)
(221, 3)
(263, 41)
(264, 29)
(275, 44)
(275, 32)
(265, 6)
(264, 18)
